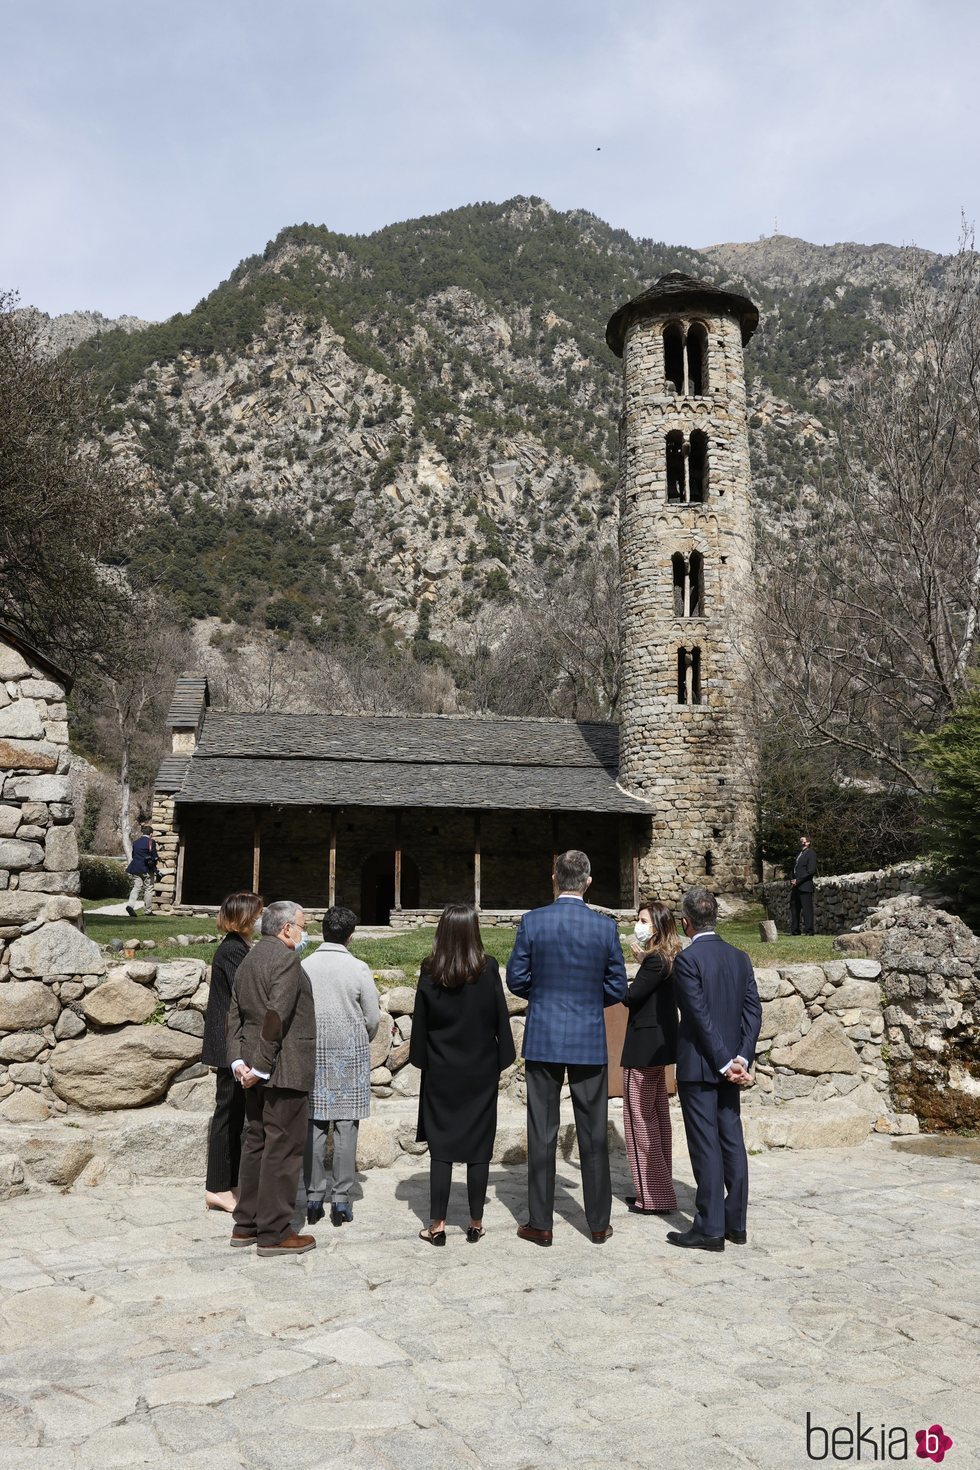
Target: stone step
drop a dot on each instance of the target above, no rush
(169, 1141)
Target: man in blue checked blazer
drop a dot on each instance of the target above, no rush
(568, 962)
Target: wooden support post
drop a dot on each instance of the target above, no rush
(179, 884)
(477, 876)
(398, 860)
(256, 848)
(635, 860)
(332, 866)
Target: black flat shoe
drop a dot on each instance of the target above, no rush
(694, 1240)
(439, 1238)
(737, 1237)
(636, 1209)
(473, 1234)
(314, 1213)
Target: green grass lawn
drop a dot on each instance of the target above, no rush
(406, 950)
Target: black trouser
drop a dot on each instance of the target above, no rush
(225, 1137)
(713, 1125)
(272, 1159)
(590, 1104)
(801, 899)
(440, 1180)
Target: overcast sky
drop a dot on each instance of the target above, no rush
(148, 145)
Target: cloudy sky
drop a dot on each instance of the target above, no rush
(150, 144)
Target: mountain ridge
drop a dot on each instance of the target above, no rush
(432, 409)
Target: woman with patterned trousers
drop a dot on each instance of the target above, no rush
(650, 1046)
(348, 1013)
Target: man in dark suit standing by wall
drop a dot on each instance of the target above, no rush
(721, 1015)
(272, 1052)
(568, 961)
(801, 888)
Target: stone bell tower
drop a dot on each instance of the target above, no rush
(686, 548)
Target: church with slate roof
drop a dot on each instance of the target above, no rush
(395, 815)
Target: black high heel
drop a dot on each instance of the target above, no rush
(439, 1238)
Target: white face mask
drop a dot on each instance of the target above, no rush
(643, 933)
(302, 941)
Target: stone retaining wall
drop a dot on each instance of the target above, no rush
(931, 988)
(845, 901)
(46, 964)
(130, 1035)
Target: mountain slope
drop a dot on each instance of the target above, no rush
(393, 431)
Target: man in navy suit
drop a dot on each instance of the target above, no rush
(716, 993)
(568, 961)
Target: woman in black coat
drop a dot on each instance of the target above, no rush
(461, 1041)
(650, 1046)
(237, 919)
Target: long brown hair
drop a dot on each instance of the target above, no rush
(240, 913)
(665, 941)
(458, 955)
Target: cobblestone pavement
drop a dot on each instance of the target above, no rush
(132, 1335)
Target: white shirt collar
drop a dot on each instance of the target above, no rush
(578, 896)
(703, 934)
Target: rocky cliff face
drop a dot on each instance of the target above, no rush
(427, 416)
(57, 334)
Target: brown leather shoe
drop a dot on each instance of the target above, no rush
(600, 1236)
(240, 1236)
(536, 1237)
(290, 1245)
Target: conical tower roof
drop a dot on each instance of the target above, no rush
(679, 292)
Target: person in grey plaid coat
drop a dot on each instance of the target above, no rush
(347, 1017)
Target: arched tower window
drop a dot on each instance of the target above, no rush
(687, 467)
(688, 575)
(689, 676)
(674, 356)
(697, 360)
(697, 466)
(676, 479)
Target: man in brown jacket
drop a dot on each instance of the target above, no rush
(271, 1050)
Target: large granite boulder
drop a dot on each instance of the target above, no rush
(400, 1000)
(117, 1002)
(382, 1043)
(21, 1046)
(176, 979)
(123, 1069)
(19, 907)
(26, 1005)
(824, 1048)
(56, 949)
(806, 980)
(781, 1016)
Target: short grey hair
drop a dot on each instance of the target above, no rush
(572, 871)
(700, 909)
(277, 916)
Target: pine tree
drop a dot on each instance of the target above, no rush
(952, 755)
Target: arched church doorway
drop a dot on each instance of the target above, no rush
(378, 886)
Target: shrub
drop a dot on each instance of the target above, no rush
(103, 877)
